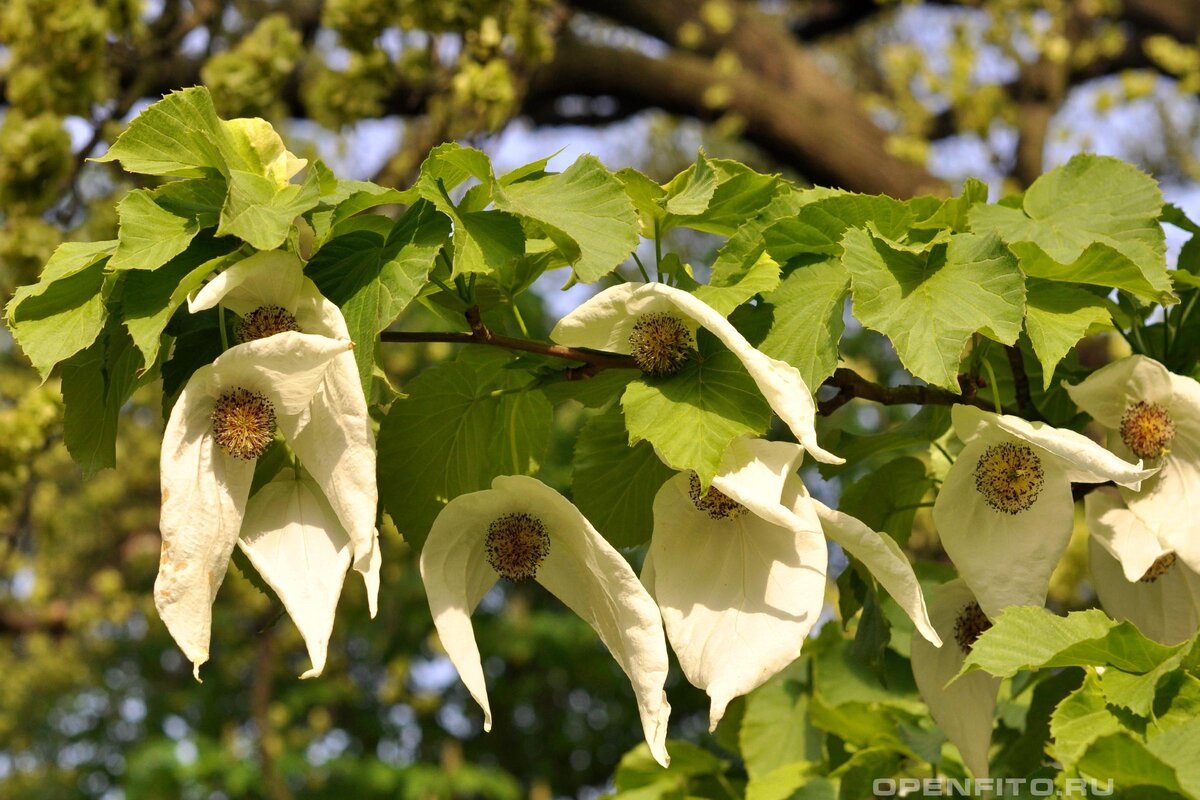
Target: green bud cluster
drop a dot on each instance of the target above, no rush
(248, 80)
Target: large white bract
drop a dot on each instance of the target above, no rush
(739, 572)
(963, 709)
(1005, 510)
(333, 439)
(205, 488)
(1136, 577)
(606, 321)
(1145, 407)
(571, 559)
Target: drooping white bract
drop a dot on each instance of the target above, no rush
(1155, 414)
(522, 528)
(1136, 578)
(1005, 511)
(296, 542)
(606, 322)
(222, 421)
(964, 709)
(739, 571)
(270, 292)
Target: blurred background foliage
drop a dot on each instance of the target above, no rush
(896, 97)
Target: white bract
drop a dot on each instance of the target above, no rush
(1136, 578)
(964, 709)
(296, 542)
(739, 571)
(609, 320)
(333, 440)
(1153, 414)
(521, 528)
(223, 420)
(1005, 511)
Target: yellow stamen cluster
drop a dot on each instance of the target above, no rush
(517, 544)
(1161, 566)
(714, 502)
(660, 344)
(266, 321)
(1147, 429)
(970, 624)
(1010, 477)
(243, 423)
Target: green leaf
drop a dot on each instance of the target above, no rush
(819, 226)
(1080, 719)
(96, 382)
(595, 392)
(791, 782)
(373, 279)
(646, 195)
(886, 500)
(1091, 220)
(1137, 691)
(149, 235)
(1128, 763)
(584, 210)
(450, 436)
(692, 416)
(151, 298)
(808, 320)
(730, 286)
(614, 484)
(775, 729)
(859, 772)
(1180, 749)
(740, 194)
(930, 304)
(1057, 316)
(1028, 637)
(64, 311)
(638, 769)
(690, 192)
(261, 212)
(953, 213)
(178, 135)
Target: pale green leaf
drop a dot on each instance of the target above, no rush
(96, 382)
(1128, 763)
(930, 304)
(775, 729)
(613, 483)
(887, 499)
(740, 194)
(690, 192)
(1080, 719)
(692, 416)
(178, 135)
(260, 212)
(807, 319)
(1057, 315)
(64, 311)
(584, 210)
(149, 235)
(730, 286)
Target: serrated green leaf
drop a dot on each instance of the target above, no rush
(1080, 719)
(449, 436)
(613, 483)
(807, 319)
(373, 279)
(775, 728)
(64, 311)
(953, 214)
(96, 382)
(690, 192)
(930, 304)
(731, 286)
(819, 226)
(260, 212)
(740, 194)
(584, 210)
(791, 782)
(1128, 763)
(1057, 316)
(1091, 220)
(149, 235)
(176, 136)
(151, 298)
(1028, 637)
(692, 416)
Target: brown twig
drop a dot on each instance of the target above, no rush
(851, 385)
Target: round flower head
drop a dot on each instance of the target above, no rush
(522, 529)
(1005, 511)
(1135, 578)
(1153, 414)
(738, 571)
(657, 324)
(223, 420)
(964, 709)
(296, 542)
(334, 441)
